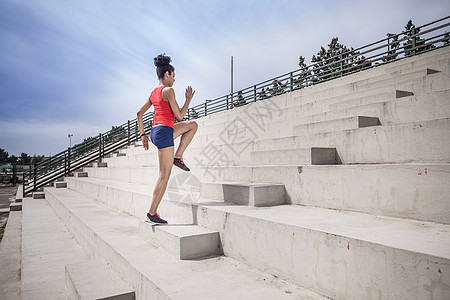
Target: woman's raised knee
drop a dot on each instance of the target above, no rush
(194, 125)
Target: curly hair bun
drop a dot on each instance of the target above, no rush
(162, 60)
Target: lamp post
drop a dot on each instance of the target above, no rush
(70, 135)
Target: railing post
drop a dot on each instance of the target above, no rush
(341, 64)
(254, 93)
(136, 129)
(99, 147)
(23, 183)
(128, 138)
(413, 32)
(227, 103)
(68, 161)
(206, 108)
(14, 173)
(65, 166)
(291, 79)
(189, 115)
(34, 180)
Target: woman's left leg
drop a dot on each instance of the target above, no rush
(187, 130)
(165, 157)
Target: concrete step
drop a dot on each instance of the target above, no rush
(415, 191)
(305, 156)
(81, 174)
(38, 195)
(438, 60)
(19, 195)
(297, 234)
(47, 247)
(15, 207)
(243, 193)
(411, 109)
(100, 165)
(95, 280)
(419, 142)
(184, 241)
(151, 271)
(11, 253)
(373, 189)
(419, 84)
(336, 125)
(60, 184)
(267, 125)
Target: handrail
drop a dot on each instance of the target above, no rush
(95, 148)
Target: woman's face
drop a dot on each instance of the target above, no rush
(169, 79)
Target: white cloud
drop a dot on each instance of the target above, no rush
(103, 51)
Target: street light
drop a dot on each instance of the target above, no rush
(70, 139)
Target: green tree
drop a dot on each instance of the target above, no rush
(336, 60)
(12, 158)
(393, 46)
(24, 159)
(36, 159)
(446, 39)
(303, 78)
(3, 156)
(413, 38)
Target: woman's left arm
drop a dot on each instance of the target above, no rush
(140, 119)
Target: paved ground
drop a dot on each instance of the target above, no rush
(7, 195)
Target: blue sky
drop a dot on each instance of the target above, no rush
(82, 66)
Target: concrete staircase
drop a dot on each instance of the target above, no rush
(337, 191)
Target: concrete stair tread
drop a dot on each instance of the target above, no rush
(95, 280)
(183, 230)
(184, 241)
(47, 247)
(15, 206)
(280, 140)
(419, 236)
(423, 237)
(225, 278)
(339, 124)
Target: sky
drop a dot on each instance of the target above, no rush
(82, 66)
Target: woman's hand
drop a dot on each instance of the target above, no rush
(189, 93)
(144, 139)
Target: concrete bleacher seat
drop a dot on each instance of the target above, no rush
(338, 190)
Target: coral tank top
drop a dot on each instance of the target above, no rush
(163, 112)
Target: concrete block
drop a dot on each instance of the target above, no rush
(81, 174)
(431, 71)
(95, 280)
(100, 165)
(336, 125)
(252, 194)
(19, 195)
(38, 195)
(15, 206)
(183, 241)
(305, 156)
(60, 184)
(401, 94)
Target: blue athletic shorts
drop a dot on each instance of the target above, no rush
(162, 136)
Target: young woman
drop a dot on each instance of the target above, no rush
(164, 131)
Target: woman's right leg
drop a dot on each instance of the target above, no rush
(165, 157)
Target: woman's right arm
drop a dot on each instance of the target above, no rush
(140, 119)
(169, 95)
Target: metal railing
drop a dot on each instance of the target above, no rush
(418, 40)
